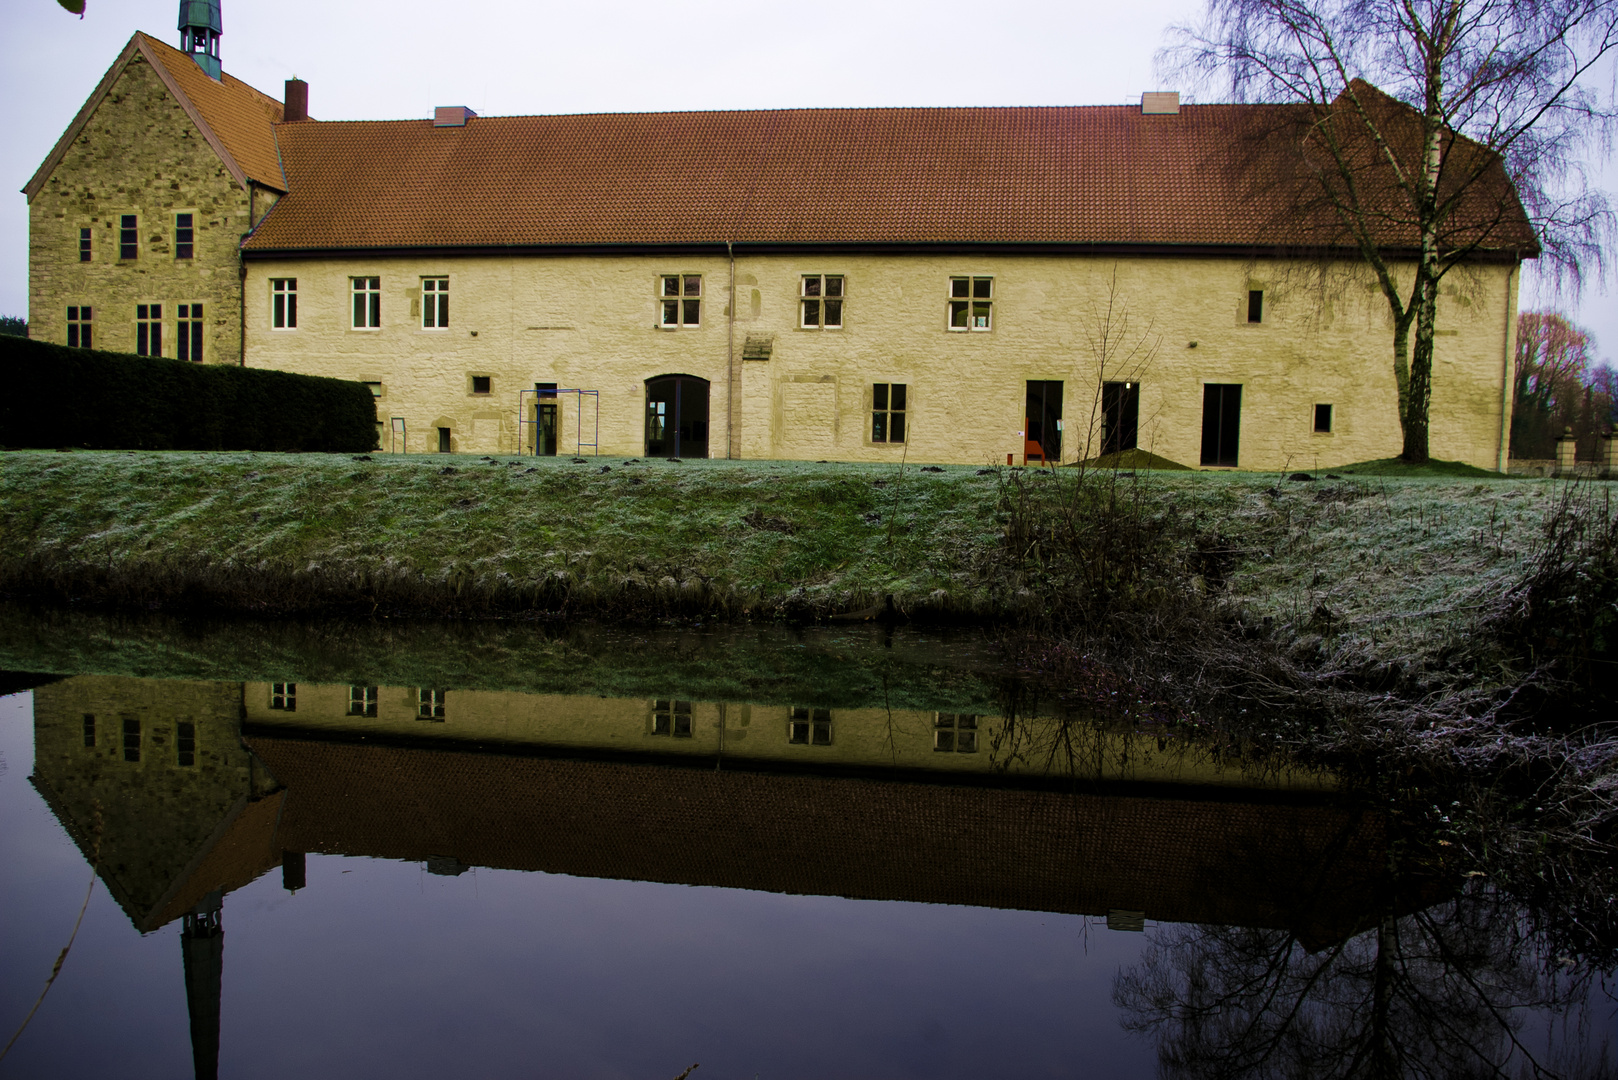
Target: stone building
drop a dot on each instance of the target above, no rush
(951, 285)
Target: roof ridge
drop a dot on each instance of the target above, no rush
(484, 118)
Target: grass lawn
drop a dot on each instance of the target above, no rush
(1393, 555)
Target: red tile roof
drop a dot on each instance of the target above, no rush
(1212, 175)
(241, 117)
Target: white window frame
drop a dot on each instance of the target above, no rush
(972, 296)
(675, 309)
(283, 303)
(816, 296)
(370, 287)
(809, 726)
(435, 302)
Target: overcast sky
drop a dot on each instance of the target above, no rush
(391, 60)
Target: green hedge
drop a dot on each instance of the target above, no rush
(52, 396)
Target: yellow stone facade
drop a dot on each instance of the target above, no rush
(1176, 323)
(870, 738)
(140, 154)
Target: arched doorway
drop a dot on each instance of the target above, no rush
(677, 416)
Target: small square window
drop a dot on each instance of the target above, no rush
(434, 303)
(480, 384)
(284, 696)
(1255, 305)
(184, 236)
(431, 704)
(375, 388)
(680, 300)
(971, 303)
(84, 245)
(671, 717)
(128, 236)
(284, 303)
(822, 302)
(809, 727)
(1323, 419)
(888, 403)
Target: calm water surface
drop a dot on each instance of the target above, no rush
(366, 851)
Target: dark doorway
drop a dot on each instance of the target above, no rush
(677, 416)
(1120, 416)
(544, 436)
(1042, 440)
(1221, 423)
(443, 440)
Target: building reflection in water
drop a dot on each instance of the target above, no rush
(207, 786)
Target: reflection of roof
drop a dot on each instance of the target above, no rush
(1309, 867)
(241, 849)
(235, 119)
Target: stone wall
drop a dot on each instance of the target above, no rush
(1176, 324)
(138, 154)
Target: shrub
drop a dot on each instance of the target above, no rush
(55, 396)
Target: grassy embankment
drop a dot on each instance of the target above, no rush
(293, 533)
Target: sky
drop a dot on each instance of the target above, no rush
(501, 57)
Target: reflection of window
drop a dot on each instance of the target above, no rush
(284, 696)
(362, 700)
(670, 717)
(431, 704)
(822, 301)
(185, 743)
(131, 740)
(955, 732)
(89, 729)
(888, 412)
(680, 298)
(809, 727)
(971, 303)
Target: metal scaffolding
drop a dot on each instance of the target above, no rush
(523, 405)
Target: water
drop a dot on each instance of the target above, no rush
(375, 850)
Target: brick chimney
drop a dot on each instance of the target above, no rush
(296, 103)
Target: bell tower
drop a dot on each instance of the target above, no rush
(199, 34)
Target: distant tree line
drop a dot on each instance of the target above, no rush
(13, 326)
(1559, 386)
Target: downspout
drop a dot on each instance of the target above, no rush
(1502, 461)
(730, 357)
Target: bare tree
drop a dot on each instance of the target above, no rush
(1471, 153)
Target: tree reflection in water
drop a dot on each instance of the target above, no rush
(1463, 988)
